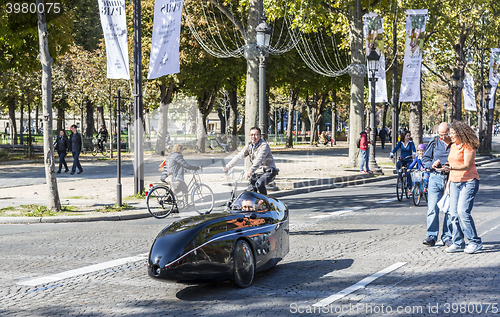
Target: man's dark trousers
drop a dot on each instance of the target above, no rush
(76, 162)
(259, 182)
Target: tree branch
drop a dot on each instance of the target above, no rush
(331, 9)
(228, 14)
(444, 79)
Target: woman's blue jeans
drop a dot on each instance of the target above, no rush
(462, 196)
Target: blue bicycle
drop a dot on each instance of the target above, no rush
(419, 190)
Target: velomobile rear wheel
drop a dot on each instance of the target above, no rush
(244, 264)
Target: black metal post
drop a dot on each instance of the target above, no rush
(138, 107)
(118, 154)
(395, 97)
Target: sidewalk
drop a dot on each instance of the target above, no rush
(302, 169)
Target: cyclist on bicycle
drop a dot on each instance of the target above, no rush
(173, 171)
(263, 170)
(418, 162)
(408, 152)
(102, 137)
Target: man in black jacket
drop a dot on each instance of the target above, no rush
(102, 136)
(75, 145)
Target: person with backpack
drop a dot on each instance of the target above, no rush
(434, 159)
(362, 144)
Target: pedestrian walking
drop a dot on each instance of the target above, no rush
(363, 148)
(263, 170)
(75, 142)
(463, 185)
(61, 145)
(434, 158)
(382, 135)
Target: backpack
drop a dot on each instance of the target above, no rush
(358, 142)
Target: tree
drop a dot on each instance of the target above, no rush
(53, 202)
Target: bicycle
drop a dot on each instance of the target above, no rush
(97, 148)
(402, 183)
(418, 190)
(161, 199)
(234, 182)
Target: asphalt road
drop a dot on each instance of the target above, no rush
(338, 238)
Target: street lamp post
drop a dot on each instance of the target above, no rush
(373, 65)
(263, 31)
(489, 120)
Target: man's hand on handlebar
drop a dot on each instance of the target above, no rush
(225, 169)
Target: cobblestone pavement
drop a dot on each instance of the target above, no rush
(329, 253)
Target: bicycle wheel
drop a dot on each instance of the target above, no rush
(160, 201)
(416, 194)
(104, 151)
(202, 198)
(94, 151)
(407, 192)
(400, 188)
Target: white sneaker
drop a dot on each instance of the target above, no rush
(473, 248)
(453, 248)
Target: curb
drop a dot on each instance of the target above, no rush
(332, 184)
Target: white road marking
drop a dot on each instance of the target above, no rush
(83, 270)
(359, 285)
(488, 231)
(339, 212)
(387, 200)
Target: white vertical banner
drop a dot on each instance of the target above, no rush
(494, 74)
(114, 27)
(164, 58)
(468, 91)
(374, 40)
(410, 81)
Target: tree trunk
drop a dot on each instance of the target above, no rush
(100, 117)
(252, 80)
(222, 119)
(36, 121)
(357, 80)
(282, 120)
(292, 101)
(89, 131)
(21, 123)
(12, 120)
(384, 114)
(205, 105)
(416, 122)
(60, 119)
(334, 118)
(166, 96)
(46, 60)
(232, 129)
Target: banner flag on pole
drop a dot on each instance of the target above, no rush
(164, 58)
(114, 27)
(468, 91)
(494, 75)
(410, 81)
(374, 40)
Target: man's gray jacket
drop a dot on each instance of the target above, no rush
(260, 156)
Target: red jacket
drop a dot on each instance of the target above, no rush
(363, 142)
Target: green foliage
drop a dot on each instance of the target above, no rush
(114, 208)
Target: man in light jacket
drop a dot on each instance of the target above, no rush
(263, 169)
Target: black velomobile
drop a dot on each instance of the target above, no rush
(253, 236)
